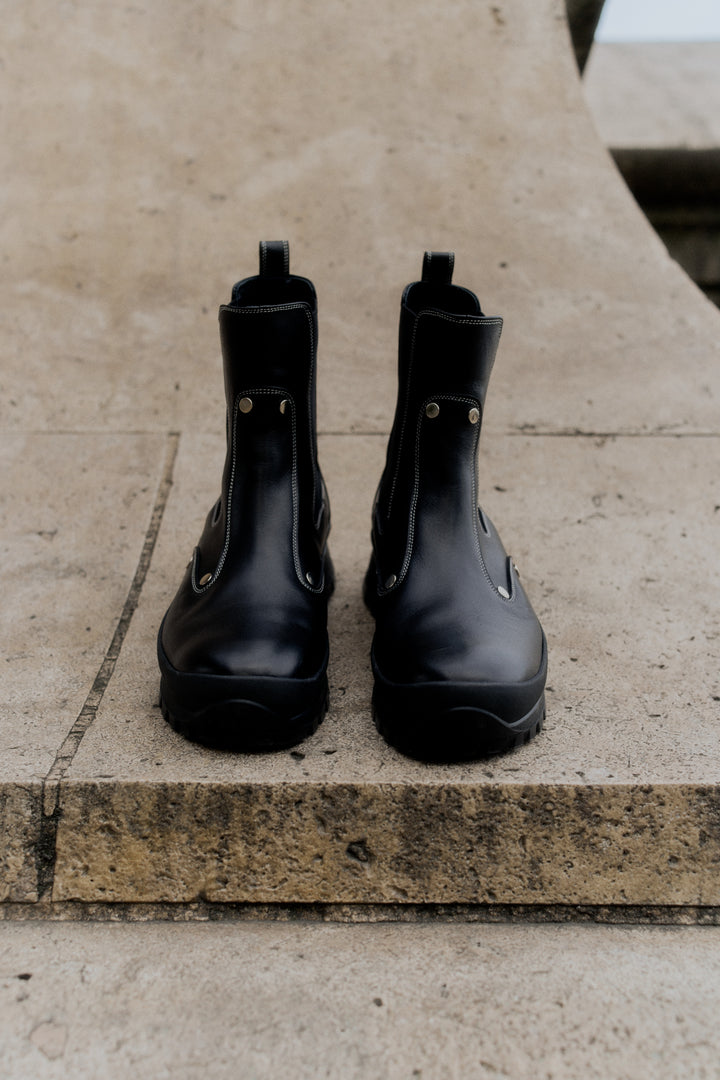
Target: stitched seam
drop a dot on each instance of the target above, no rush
(416, 495)
(507, 599)
(296, 514)
(260, 310)
(416, 481)
(295, 497)
(311, 381)
(478, 320)
(199, 589)
(474, 320)
(403, 418)
(294, 489)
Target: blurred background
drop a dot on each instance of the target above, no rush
(652, 81)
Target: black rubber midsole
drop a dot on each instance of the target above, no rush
(460, 734)
(511, 703)
(459, 720)
(243, 711)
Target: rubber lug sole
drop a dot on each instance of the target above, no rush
(245, 713)
(457, 734)
(244, 726)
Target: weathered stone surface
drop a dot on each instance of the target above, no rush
(611, 536)
(150, 155)
(75, 512)
(20, 838)
(295, 1002)
(613, 803)
(431, 842)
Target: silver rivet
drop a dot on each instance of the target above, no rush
(474, 416)
(283, 405)
(205, 578)
(432, 410)
(309, 578)
(245, 404)
(503, 592)
(390, 581)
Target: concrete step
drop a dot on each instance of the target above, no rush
(615, 803)
(598, 466)
(297, 1001)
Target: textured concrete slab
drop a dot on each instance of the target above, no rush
(651, 95)
(76, 509)
(75, 512)
(20, 838)
(151, 148)
(302, 1001)
(615, 803)
(150, 151)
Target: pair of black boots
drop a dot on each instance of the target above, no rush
(459, 657)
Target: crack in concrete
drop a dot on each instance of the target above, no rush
(50, 802)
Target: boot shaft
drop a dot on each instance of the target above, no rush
(271, 485)
(243, 649)
(447, 348)
(269, 331)
(268, 335)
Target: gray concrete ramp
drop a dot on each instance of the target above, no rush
(147, 151)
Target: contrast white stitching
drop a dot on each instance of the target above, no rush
(415, 497)
(261, 310)
(474, 320)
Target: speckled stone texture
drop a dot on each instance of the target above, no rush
(151, 147)
(20, 836)
(295, 1002)
(377, 842)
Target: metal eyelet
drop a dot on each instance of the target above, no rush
(474, 416)
(283, 405)
(391, 581)
(205, 579)
(245, 404)
(432, 410)
(503, 592)
(309, 578)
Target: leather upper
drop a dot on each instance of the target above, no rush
(253, 600)
(439, 564)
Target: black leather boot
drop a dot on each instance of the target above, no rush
(458, 655)
(243, 648)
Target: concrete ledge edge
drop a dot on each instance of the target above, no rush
(613, 914)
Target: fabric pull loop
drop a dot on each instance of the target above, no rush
(274, 258)
(438, 267)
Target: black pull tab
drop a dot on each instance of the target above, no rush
(274, 258)
(438, 267)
